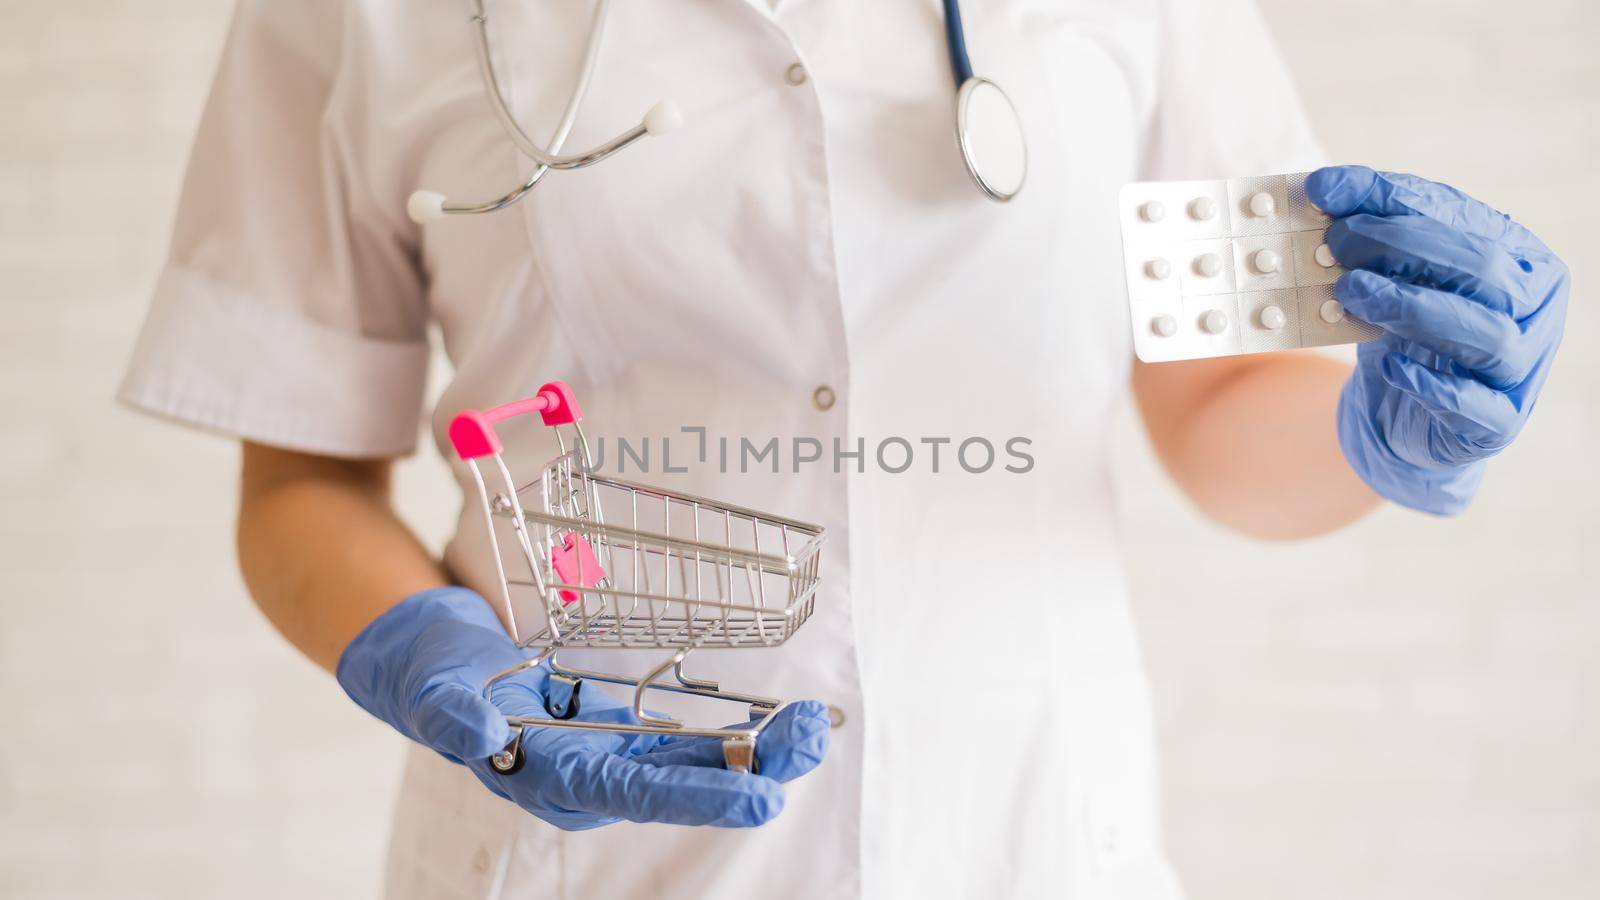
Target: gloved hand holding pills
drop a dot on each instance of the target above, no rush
(1460, 309)
(1472, 308)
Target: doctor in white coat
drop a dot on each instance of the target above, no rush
(805, 258)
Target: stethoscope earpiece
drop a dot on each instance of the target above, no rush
(663, 118)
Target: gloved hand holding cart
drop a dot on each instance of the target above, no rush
(683, 573)
(677, 573)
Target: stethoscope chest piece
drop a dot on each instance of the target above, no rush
(989, 132)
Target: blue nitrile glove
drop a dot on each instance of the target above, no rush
(1472, 306)
(421, 667)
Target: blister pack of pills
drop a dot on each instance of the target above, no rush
(1221, 268)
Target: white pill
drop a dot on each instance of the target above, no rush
(1153, 211)
(1332, 312)
(1208, 264)
(1213, 321)
(1272, 318)
(1324, 257)
(1202, 208)
(1158, 269)
(1165, 326)
(1262, 204)
(1265, 261)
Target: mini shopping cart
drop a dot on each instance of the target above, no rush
(616, 565)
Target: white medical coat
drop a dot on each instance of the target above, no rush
(811, 226)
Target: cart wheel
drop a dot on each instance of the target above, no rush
(509, 761)
(572, 705)
(739, 755)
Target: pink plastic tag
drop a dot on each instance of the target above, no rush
(574, 563)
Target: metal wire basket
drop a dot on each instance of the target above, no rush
(668, 570)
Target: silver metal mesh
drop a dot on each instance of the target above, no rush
(677, 571)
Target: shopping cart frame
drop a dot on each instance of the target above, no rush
(583, 601)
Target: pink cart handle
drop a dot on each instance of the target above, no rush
(472, 432)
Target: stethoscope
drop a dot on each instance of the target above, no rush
(988, 130)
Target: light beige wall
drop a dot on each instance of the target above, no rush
(1404, 710)
(157, 739)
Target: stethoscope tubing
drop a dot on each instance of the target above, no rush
(547, 157)
(955, 39)
(551, 157)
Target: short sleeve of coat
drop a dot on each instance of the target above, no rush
(291, 309)
(1225, 103)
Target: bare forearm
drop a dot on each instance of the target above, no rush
(321, 550)
(1252, 441)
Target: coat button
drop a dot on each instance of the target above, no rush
(824, 398)
(796, 75)
(835, 716)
